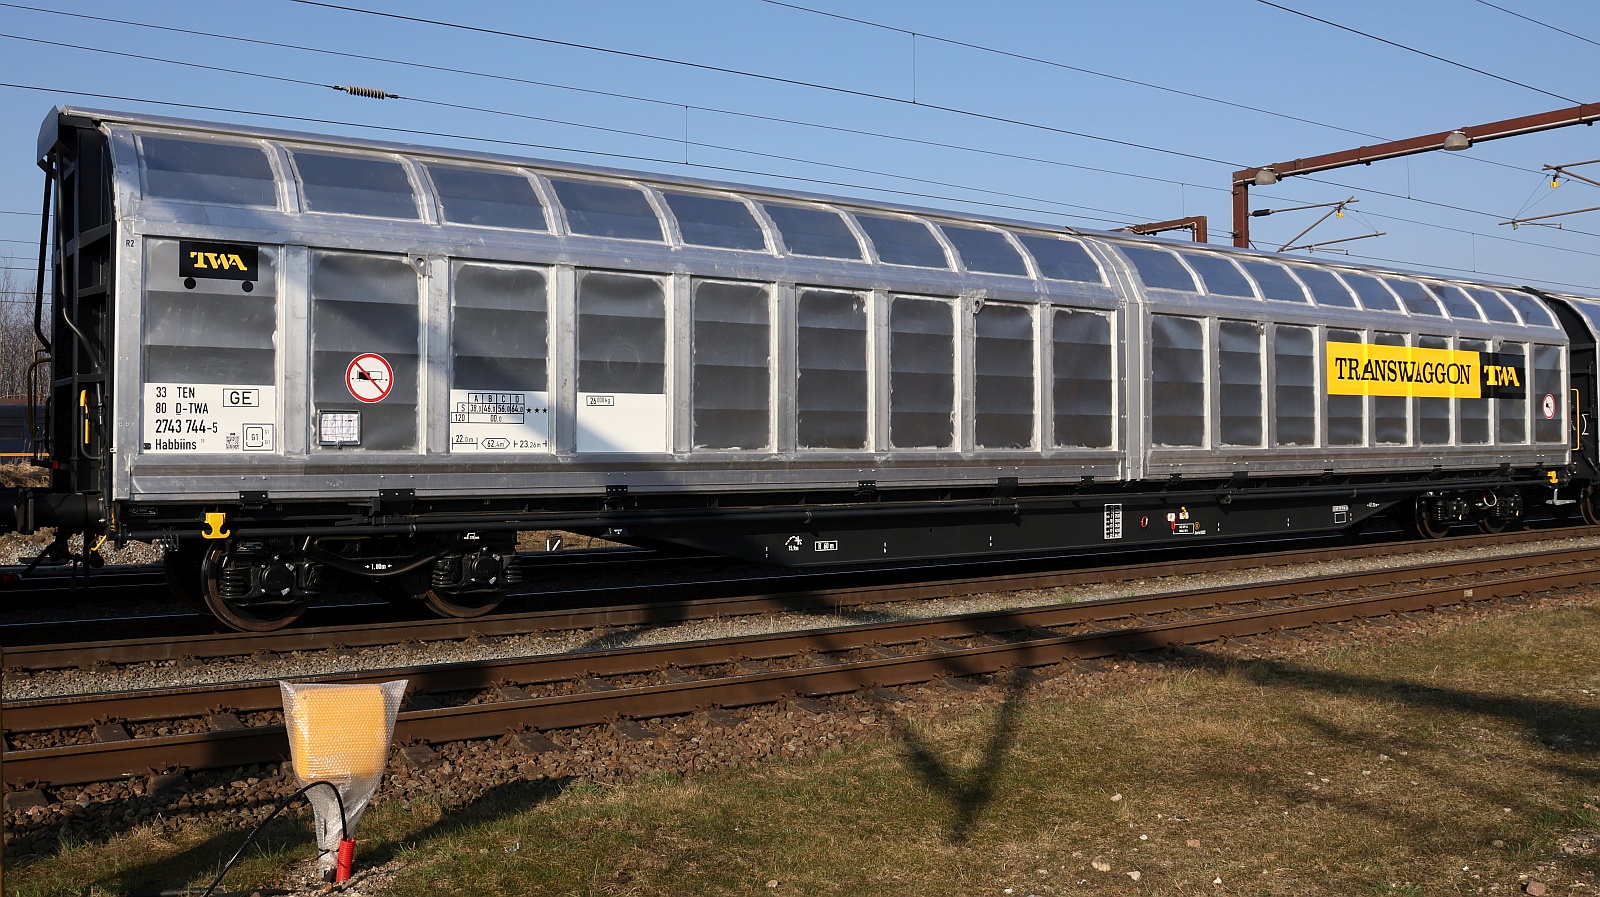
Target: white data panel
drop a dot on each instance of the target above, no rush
(622, 422)
(209, 418)
(502, 421)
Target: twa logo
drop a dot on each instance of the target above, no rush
(1500, 375)
(217, 261)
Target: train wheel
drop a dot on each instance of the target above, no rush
(218, 582)
(1490, 524)
(181, 566)
(1422, 522)
(418, 587)
(1589, 505)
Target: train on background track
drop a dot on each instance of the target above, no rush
(303, 362)
(17, 429)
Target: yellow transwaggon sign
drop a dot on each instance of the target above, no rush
(1360, 369)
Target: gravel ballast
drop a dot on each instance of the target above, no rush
(169, 674)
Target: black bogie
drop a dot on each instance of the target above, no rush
(266, 583)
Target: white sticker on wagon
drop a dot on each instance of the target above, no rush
(208, 418)
(494, 421)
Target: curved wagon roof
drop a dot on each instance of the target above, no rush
(268, 184)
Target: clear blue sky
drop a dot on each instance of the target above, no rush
(1350, 90)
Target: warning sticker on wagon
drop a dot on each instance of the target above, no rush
(209, 418)
(499, 421)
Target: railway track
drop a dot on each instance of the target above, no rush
(43, 647)
(519, 697)
(149, 582)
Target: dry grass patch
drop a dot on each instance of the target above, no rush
(15, 473)
(1458, 762)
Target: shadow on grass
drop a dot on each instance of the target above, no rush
(291, 836)
(1570, 733)
(1562, 728)
(971, 790)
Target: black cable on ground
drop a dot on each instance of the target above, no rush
(344, 832)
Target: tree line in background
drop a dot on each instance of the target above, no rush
(17, 342)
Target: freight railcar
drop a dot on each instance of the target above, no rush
(17, 423)
(300, 361)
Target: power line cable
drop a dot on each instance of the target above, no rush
(631, 133)
(715, 110)
(1133, 81)
(685, 142)
(887, 98)
(1397, 45)
(776, 79)
(1476, 273)
(1541, 24)
(1426, 202)
(1122, 219)
(543, 146)
(1024, 57)
(191, 33)
(715, 146)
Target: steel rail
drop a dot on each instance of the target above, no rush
(39, 714)
(849, 589)
(18, 637)
(238, 747)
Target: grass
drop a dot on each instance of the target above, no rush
(16, 473)
(1458, 762)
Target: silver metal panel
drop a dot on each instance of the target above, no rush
(563, 359)
(294, 356)
(878, 371)
(294, 470)
(1294, 409)
(1240, 387)
(785, 369)
(680, 344)
(439, 367)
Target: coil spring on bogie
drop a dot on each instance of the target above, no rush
(1506, 507)
(233, 580)
(1447, 510)
(444, 572)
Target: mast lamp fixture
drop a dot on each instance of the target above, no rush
(1457, 140)
(1266, 177)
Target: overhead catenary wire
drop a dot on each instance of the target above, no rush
(1053, 63)
(513, 79)
(1125, 219)
(1540, 23)
(779, 119)
(1024, 57)
(1400, 46)
(758, 153)
(542, 146)
(1475, 272)
(867, 94)
(1122, 220)
(377, 93)
(641, 134)
(747, 151)
(776, 79)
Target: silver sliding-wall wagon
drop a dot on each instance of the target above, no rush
(300, 361)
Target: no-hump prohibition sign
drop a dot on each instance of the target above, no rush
(370, 377)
